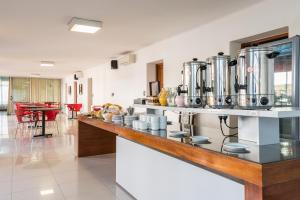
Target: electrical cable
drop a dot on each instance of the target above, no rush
(225, 122)
(221, 127)
(229, 126)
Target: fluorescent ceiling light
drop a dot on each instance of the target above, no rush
(84, 25)
(46, 192)
(47, 64)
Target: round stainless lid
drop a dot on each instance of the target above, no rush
(219, 56)
(194, 62)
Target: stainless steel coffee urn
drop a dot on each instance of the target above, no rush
(219, 81)
(192, 80)
(255, 74)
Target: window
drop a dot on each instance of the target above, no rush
(4, 82)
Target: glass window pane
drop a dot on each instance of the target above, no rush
(283, 75)
(3, 92)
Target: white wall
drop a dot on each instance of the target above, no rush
(129, 82)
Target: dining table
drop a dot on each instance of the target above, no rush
(43, 109)
(29, 107)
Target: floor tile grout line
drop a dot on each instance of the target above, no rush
(58, 185)
(105, 185)
(13, 168)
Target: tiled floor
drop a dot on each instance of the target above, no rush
(43, 168)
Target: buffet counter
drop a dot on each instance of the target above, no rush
(147, 161)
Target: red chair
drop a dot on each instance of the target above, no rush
(51, 117)
(20, 107)
(76, 107)
(70, 109)
(22, 119)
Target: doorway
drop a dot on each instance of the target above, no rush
(155, 72)
(160, 75)
(90, 94)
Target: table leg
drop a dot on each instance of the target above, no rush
(43, 126)
(35, 121)
(72, 117)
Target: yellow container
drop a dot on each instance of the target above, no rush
(163, 97)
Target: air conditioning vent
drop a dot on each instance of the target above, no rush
(78, 75)
(127, 59)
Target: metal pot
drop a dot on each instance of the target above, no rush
(218, 84)
(254, 81)
(192, 79)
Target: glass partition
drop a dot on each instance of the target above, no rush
(286, 82)
(283, 75)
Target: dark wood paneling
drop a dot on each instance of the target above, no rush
(253, 192)
(94, 141)
(283, 191)
(265, 40)
(98, 123)
(279, 172)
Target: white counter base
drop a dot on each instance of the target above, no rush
(151, 175)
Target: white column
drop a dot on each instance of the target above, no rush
(260, 130)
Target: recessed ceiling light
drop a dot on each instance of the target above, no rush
(46, 192)
(47, 64)
(84, 25)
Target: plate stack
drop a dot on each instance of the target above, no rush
(235, 147)
(199, 139)
(117, 119)
(128, 119)
(178, 134)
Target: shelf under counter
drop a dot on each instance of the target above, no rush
(261, 177)
(258, 126)
(275, 112)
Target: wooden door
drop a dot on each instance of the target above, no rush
(75, 92)
(90, 94)
(160, 74)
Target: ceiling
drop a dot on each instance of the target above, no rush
(36, 30)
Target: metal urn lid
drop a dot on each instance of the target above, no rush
(194, 62)
(220, 56)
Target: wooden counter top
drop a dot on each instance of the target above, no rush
(262, 181)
